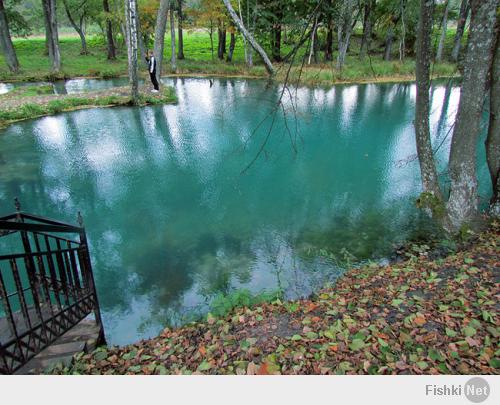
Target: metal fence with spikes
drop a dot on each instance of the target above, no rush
(46, 285)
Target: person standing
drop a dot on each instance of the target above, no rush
(150, 58)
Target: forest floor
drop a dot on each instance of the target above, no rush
(199, 60)
(36, 101)
(420, 316)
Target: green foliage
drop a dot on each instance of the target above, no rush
(432, 202)
(35, 64)
(223, 304)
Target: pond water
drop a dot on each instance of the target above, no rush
(176, 212)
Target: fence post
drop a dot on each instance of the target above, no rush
(89, 273)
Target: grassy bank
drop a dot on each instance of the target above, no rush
(199, 61)
(33, 101)
(420, 316)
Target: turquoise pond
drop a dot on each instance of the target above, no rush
(217, 193)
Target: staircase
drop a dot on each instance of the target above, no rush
(49, 308)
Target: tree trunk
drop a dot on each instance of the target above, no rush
(220, 51)
(493, 140)
(367, 28)
(224, 46)
(173, 62)
(329, 40)
(249, 37)
(77, 27)
(6, 42)
(109, 32)
(462, 19)
(52, 37)
(402, 41)
(388, 43)
(276, 42)
(211, 34)
(132, 47)
(444, 28)
(430, 185)
(344, 31)
(180, 50)
(160, 28)
(313, 40)
(463, 201)
(232, 44)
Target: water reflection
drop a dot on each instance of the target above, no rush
(172, 221)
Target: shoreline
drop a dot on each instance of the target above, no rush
(194, 75)
(33, 102)
(32, 107)
(377, 319)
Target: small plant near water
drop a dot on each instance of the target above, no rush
(429, 201)
(223, 304)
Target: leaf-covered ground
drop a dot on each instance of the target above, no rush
(416, 317)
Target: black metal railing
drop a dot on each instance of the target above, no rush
(46, 285)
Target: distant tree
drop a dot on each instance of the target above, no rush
(51, 33)
(232, 43)
(180, 20)
(6, 41)
(208, 15)
(173, 61)
(249, 37)
(109, 31)
(462, 19)
(444, 30)
(19, 25)
(344, 30)
(368, 22)
(77, 12)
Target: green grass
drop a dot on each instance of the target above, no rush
(28, 91)
(33, 109)
(35, 64)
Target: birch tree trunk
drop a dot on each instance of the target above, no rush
(462, 19)
(430, 184)
(160, 28)
(444, 28)
(132, 47)
(109, 32)
(249, 37)
(462, 205)
(493, 140)
(6, 42)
